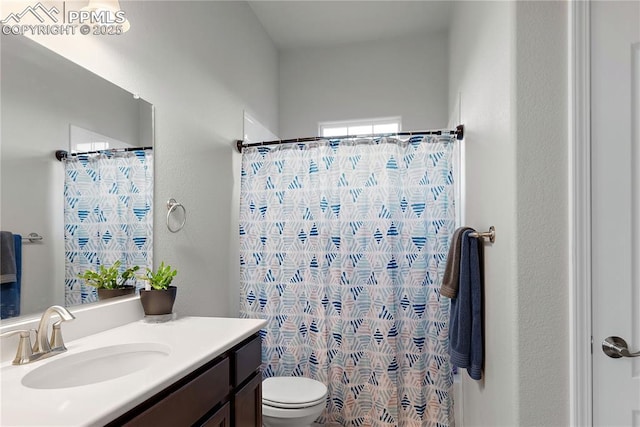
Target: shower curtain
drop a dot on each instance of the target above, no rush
(107, 216)
(343, 245)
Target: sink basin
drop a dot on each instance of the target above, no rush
(94, 366)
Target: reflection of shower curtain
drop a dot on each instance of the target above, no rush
(107, 215)
(343, 246)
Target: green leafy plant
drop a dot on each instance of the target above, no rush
(109, 277)
(161, 278)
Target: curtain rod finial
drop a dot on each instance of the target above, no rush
(460, 132)
(61, 154)
(239, 145)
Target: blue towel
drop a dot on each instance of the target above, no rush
(465, 323)
(10, 291)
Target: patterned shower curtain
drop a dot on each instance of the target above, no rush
(107, 216)
(343, 244)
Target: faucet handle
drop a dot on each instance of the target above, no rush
(57, 343)
(24, 352)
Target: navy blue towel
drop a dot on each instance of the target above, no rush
(10, 291)
(465, 323)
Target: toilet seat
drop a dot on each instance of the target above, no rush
(293, 392)
(282, 405)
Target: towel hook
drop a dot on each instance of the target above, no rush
(172, 205)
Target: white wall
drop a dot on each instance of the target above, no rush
(508, 68)
(201, 64)
(541, 96)
(480, 77)
(402, 77)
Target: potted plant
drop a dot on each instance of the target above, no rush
(158, 296)
(109, 281)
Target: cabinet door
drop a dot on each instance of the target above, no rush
(247, 404)
(222, 418)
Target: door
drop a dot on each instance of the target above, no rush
(615, 136)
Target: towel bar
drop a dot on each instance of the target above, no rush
(32, 237)
(491, 234)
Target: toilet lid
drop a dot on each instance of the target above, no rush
(292, 391)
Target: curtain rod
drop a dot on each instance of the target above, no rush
(62, 154)
(458, 131)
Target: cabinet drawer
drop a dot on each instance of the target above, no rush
(189, 403)
(247, 360)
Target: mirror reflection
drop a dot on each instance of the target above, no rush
(92, 208)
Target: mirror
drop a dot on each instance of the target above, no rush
(49, 103)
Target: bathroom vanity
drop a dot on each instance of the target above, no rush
(189, 371)
(224, 392)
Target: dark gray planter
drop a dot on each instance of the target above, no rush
(158, 302)
(113, 293)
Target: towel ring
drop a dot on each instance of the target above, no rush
(172, 205)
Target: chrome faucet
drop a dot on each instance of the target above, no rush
(43, 347)
(56, 344)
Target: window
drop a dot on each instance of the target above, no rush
(91, 146)
(360, 127)
(84, 140)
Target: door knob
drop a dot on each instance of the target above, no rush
(616, 347)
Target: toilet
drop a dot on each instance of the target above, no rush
(292, 401)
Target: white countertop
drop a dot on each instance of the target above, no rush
(193, 342)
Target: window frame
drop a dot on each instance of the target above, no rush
(323, 126)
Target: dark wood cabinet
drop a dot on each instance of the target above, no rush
(246, 359)
(221, 418)
(226, 392)
(247, 404)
